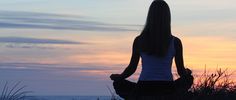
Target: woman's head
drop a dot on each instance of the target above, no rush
(157, 31)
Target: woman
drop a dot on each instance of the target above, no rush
(157, 47)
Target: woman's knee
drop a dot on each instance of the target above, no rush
(118, 82)
(123, 87)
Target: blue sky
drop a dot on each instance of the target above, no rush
(70, 47)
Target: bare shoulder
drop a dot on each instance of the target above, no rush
(178, 43)
(137, 40)
(177, 40)
(136, 43)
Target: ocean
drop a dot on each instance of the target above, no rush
(70, 98)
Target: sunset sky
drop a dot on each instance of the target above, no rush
(70, 47)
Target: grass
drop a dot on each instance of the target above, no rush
(15, 92)
(214, 86)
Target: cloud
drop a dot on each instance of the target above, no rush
(50, 67)
(28, 46)
(19, 40)
(35, 43)
(32, 20)
(24, 14)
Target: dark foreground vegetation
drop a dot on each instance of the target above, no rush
(216, 86)
(13, 92)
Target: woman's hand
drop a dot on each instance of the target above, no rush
(188, 71)
(116, 77)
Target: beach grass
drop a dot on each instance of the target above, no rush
(14, 92)
(214, 86)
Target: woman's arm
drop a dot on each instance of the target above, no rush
(132, 65)
(179, 57)
(133, 62)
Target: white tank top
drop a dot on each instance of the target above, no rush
(157, 68)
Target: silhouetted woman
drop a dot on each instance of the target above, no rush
(157, 47)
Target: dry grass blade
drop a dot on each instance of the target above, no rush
(15, 93)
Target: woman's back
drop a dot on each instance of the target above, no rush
(157, 68)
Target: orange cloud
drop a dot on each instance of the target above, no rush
(103, 58)
(211, 51)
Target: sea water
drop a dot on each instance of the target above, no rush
(70, 98)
